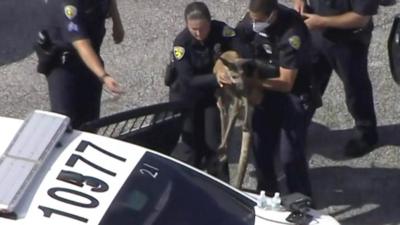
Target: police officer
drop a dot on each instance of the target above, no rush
(195, 51)
(341, 33)
(277, 36)
(76, 29)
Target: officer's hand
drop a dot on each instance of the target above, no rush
(118, 33)
(224, 78)
(314, 21)
(112, 86)
(298, 5)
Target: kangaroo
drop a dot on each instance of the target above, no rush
(233, 101)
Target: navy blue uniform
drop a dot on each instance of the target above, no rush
(346, 52)
(280, 122)
(74, 90)
(195, 85)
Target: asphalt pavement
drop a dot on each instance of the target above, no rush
(362, 191)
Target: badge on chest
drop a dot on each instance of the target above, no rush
(267, 48)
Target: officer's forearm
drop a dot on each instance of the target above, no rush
(349, 20)
(89, 57)
(283, 83)
(204, 81)
(275, 84)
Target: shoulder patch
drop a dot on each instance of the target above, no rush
(217, 48)
(228, 32)
(70, 11)
(73, 27)
(179, 52)
(295, 42)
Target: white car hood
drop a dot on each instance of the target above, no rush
(50, 183)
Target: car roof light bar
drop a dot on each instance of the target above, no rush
(25, 155)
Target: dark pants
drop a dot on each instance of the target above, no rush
(75, 91)
(350, 61)
(200, 136)
(280, 127)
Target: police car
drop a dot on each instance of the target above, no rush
(50, 174)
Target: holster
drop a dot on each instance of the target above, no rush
(307, 88)
(47, 59)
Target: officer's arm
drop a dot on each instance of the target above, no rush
(118, 29)
(185, 73)
(92, 61)
(292, 48)
(183, 67)
(185, 70)
(348, 20)
(89, 57)
(74, 31)
(283, 83)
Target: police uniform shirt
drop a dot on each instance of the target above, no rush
(194, 59)
(286, 43)
(71, 20)
(338, 7)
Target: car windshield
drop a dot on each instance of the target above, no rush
(162, 192)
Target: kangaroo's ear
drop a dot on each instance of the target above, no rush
(227, 59)
(247, 65)
(242, 61)
(231, 66)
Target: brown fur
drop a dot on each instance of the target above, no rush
(234, 101)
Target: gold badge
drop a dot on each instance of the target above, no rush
(70, 11)
(228, 32)
(295, 42)
(179, 52)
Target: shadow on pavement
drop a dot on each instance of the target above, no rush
(374, 194)
(330, 143)
(355, 195)
(20, 22)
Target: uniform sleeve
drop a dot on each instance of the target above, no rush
(365, 7)
(232, 41)
(183, 66)
(228, 36)
(244, 29)
(244, 37)
(185, 71)
(71, 20)
(291, 49)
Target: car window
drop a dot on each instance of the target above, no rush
(162, 192)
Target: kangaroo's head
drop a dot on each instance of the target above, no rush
(236, 66)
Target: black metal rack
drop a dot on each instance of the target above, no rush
(156, 126)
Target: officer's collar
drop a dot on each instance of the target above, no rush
(275, 23)
(195, 42)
